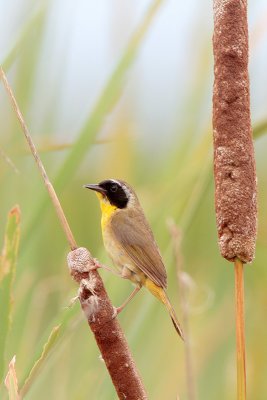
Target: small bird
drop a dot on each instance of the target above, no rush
(130, 243)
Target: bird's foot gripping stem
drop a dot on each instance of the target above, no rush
(117, 310)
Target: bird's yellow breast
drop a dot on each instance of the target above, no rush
(107, 210)
(111, 245)
(122, 261)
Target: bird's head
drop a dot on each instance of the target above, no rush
(117, 193)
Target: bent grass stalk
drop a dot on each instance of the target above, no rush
(48, 185)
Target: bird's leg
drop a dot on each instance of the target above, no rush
(117, 310)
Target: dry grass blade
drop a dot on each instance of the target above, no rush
(11, 381)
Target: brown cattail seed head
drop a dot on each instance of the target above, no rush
(80, 262)
(234, 165)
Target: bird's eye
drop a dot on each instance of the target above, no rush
(114, 188)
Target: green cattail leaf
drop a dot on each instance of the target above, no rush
(7, 274)
(48, 346)
(44, 350)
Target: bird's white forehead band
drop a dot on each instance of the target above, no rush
(114, 180)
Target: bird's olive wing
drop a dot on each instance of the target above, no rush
(136, 238)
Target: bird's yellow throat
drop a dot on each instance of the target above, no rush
(107, 210)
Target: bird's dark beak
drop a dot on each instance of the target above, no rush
(95, 187)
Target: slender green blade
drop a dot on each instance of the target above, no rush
(22, 37)
(44, 350)
(48, 346)
(7, 274)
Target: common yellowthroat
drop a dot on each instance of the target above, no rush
(130, 243)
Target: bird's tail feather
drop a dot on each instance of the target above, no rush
(160, 293)
(173, 316)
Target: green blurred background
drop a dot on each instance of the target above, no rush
(123, 89)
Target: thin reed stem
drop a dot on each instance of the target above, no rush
(240, 331)
(48, 185)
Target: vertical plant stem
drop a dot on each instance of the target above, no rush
(176, 236)
(240, 330)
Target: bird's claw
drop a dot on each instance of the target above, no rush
(115, 312)
(96, 264)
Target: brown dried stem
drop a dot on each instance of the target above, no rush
(240, 330)
(94, 300)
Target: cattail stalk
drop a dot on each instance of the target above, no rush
(93, 297)
(234, 165)
(240, 330)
